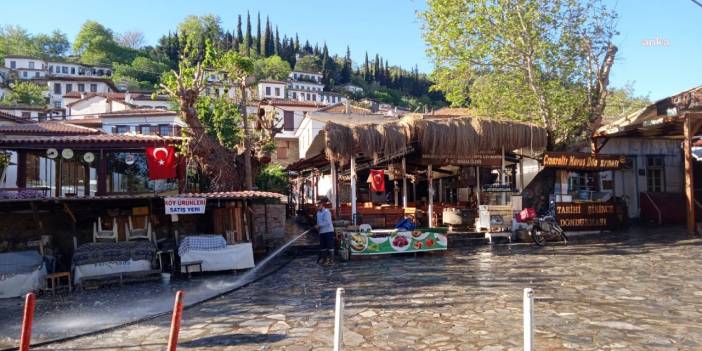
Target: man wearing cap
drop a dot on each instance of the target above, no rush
(326, 233)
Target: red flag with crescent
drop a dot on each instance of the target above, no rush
(162, 162)
(377, 180)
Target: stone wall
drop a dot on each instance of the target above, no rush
(268, 224)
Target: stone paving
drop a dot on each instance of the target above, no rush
(633, 291)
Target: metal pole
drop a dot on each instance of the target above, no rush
(477, 184)
(339, 320)
(404, 183)
(528, 319)
(333, 189)
(430, 190)
(175, 321)
(353, 190)
(26, 336)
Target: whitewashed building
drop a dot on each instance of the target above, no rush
(271, 89)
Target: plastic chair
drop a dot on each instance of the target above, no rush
(100, 233)
(365, 228)
(138, 233)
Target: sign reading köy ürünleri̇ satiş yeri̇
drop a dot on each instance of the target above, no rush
(185, 205)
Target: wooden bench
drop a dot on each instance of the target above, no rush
(96, 281)
(188, 265)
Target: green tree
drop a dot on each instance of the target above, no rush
(622, 102)
(96, 44)
(272, 67)
(309, 63)
(346, 69)
(272, 178)
(543, 61)
(25, 93)
(248, 40)
(53, 46)
(142, 73)
(15, 40)
(195, 31)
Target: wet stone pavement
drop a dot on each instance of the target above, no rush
(632, 291)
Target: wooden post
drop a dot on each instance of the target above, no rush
(503, 176)
(59, 176)
(689, 179)
(404, 183)
(333, 189)
(22, 169)
(102, 174)
(477, 184)
(521, 174)
(353, 190)
(430, 191)
(441, 191)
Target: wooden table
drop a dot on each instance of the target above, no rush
(55, 280)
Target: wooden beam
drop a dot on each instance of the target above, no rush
(404, 183)
(353, 190)
(333, 189)
(430, 191)
(689, 178)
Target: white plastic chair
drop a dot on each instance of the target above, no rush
(138, 233)
(365, 228)
(101, 233)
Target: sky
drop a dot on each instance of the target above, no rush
(659, 42)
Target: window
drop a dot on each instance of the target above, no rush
(655, 174)
(277, 91)
(294, 95)
(73, 70)
(36, 74)
(64, 69)
(122, 129)
(127, 173)
(164, 130)
(42, 117)
(31, 64)
(282, 153)
(314, 97)
(308, 96)
(81, 87)
(268, 91)
(13, 64)
(57, 104)
(24, 74)
(93, 88)
(145, 129)
(288, 120)
(57, 88)
(26, 115)
(51, 69)
(69, 88)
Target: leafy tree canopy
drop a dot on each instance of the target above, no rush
(544, 61)
(142, 73)
(96, 44)
(309, 63)
(17, 41)
(272, 67)
(25, 93)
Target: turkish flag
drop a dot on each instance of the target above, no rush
(377, 180)
(162, 162)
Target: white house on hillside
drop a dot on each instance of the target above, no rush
(271, 89)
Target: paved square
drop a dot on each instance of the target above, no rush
(628, 292)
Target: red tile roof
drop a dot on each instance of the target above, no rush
(51, 128)
(87, 141)
(13, 118)
(281, 102)
(139, 112)
(244, 194)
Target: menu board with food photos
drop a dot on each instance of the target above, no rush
(396, 241)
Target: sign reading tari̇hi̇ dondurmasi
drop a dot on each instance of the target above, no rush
(590, 215)
(583, 161)
(185, 205)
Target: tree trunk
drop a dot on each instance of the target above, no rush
(220, 165)
(248, 175)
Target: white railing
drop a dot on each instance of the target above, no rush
(528, 319)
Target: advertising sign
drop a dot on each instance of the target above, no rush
(488, 159)
(583, 161)
(590, 215)
(397, 242)
(183, 205)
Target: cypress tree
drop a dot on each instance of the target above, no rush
(259, 49)
(346, 69)
(296, 47)
(376, 69)
(388, 79)
(366, 71)
(249, 40)
(239, 34)
(277, 48)
(269, 45)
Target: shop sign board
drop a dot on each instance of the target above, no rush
(486, 159)
(497, 188)
(590, 215)
(584, 161)
(397, 242)
(185, 205)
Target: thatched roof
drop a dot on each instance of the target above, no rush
(442, 137)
